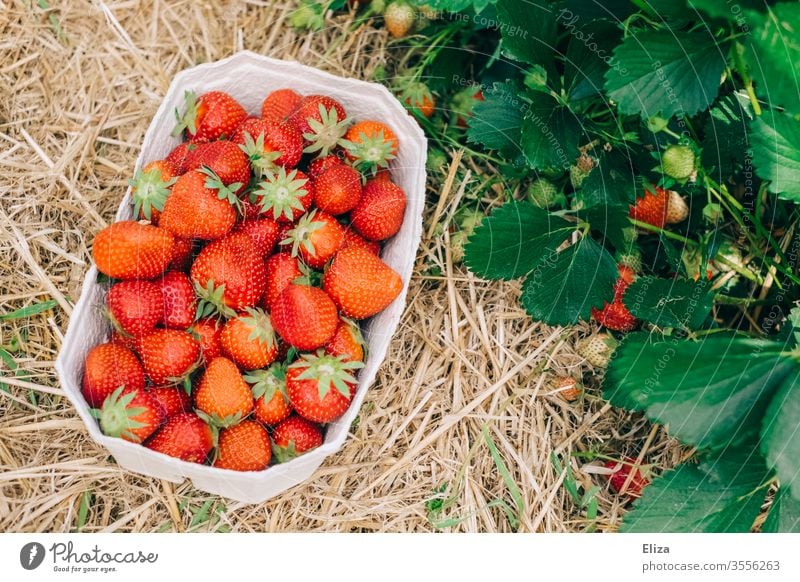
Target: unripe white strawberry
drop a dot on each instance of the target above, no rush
(596, 349)
(399, 18)
(677, 209)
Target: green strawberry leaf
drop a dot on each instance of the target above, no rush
(564, 286)
(666, 73)
(529, 31)
(724, 9)
(679, 303)
(711, 392)
(550, 134)
(720, 494)
(613, 180)
(513, 240)
(496, 122)
(576, 11)
(784, 514)
(780, 434)
(725, 136)
(611, 220)
(589, 56)
(775, 139)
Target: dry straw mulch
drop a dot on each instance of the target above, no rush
(78, 86)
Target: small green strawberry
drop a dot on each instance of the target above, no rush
(544, 194)
(678, 161)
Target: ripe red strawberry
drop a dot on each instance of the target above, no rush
(379, 213)
(284, 197)
(222, 395)
(208, 332)
(463, 102)
(135, 307)
(269, 391)
(269, 144)
(280, 104)
(321, 387)
(316, 238)
(370, 145)
(347, 341)
(615, 315)
(200, 206)
(180, 302)
(319, 165)
(168, 355)
(263, 232)
(129, 250)
(249, 340)
(305, 317)
(353, 239)
(322, 121)
(172, 400)
(293, 437)
(622, 470)
(181, 254)
(210, 117)
(126, 341)
(282, 269)
(184, 436)
(225, 159)
(109, 366)
(177, 157)
(420, 99)
(244, 447)
(651, 208)
(283, 232)
(129, 413)
(360, 283)
(229, 275)
(150, 188)
(337, 189)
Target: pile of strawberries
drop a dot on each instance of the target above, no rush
(235, 295)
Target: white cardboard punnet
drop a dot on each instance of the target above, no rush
(249, 77)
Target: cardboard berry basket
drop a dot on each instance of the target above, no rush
(249, 77)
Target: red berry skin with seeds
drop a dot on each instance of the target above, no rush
(172, 400)
(273, 411)
(181, 255)
(309, 109)
(208, 332)
(295, 436)
(281, 138)
(337, 189)
(184, 436)
(316, 237)
(379, 213)
(282, 269)
(304, 398)
(615, 315)
(130, 414)
(353, 239)
(168, 355)
(244, 447)
(620, 476)
(180, 302)
(194, 211)
(130, 250)
(651, 208)
(107, 367)
(224, 158)
(347, 342)
(319, 165)
(177, 157)
(136, 306)
(305, 317)
(240, 345)
(218, 115)
(263, 232)
(280, 104)
(222, 393)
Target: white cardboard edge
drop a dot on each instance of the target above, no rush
(249, 77)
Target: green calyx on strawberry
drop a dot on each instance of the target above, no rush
(213, 182)
(260, 323)
(187, 121)
(301, 235)
(370, 153)
(122, 417)
(212, 301)
(283, 195)
(678, 161)
(326, 132)
(267, 383)
(150, 192)
(261, 160)
(328, 372)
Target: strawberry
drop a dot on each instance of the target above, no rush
(567, 387)
(282, 269)
(360, 283)
(182, 249)
(398, 17)
(319, 165)
(353, 239)
(269, 391)
(129, 413)
(229, 275)
(244, 447)
(168, 355)
(620, 475)
(263, 232)
(225, 159)
(651, 208)
(269, 144)
(321, 387)
(677, 209)
(129, 250)
(208, 331)
(212, 116)
(135, 307)
(678, 161)
(379, 213)
(180, 302)
(200, 206)
(107, 367)
(596, 349)
(294, 436)
(305, 317)
(463, 102)
(316, 238)
(280, 104)
(337, 189)
(124, 340)
(249, 340)
(150, 188)
(184, 436)
(322, 122)
(250, 211)
(615, 315)
(370, 145)
(347, 341)
(420, 99)
(171, 399)
(177, 157)
(222, 395)
(284, 197)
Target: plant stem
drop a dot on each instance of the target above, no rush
(741, 68)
